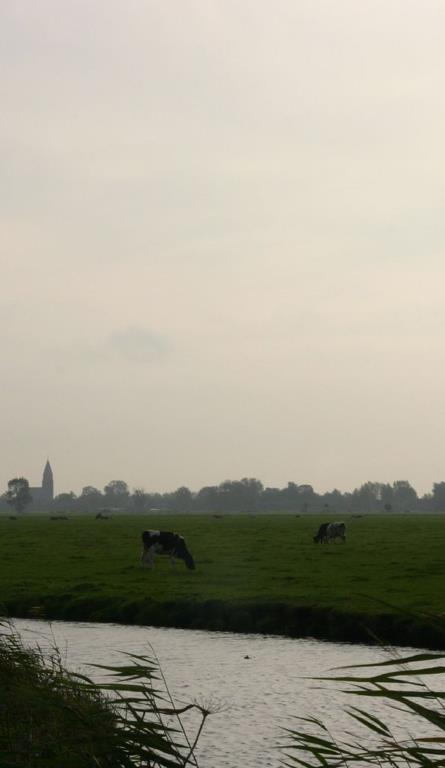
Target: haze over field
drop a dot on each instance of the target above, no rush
(222, 241)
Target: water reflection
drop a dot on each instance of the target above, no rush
(258, 683)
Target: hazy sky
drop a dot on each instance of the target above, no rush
(222, 241)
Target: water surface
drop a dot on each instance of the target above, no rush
(258, 683)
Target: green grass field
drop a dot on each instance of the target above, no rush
(241, 560)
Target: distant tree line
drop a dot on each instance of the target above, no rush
(246, 495)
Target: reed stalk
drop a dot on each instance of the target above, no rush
(53, 718)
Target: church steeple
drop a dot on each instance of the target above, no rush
(48, 482)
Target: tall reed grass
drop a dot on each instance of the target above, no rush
(53, 718)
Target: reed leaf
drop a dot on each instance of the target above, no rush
(407, 674)
(396, 660)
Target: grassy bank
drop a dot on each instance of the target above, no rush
(254, 573)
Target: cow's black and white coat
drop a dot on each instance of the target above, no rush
(329, 532)
(165, 543)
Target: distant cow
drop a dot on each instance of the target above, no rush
(165, 543)
(329, 532)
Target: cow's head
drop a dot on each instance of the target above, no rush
(321, 533)
(188, 559)
(182, 552)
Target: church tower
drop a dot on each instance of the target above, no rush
(48, 483)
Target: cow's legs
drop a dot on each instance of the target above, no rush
(148, 557)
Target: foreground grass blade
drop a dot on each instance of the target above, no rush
(427, 750)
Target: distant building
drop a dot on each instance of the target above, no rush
(44, 494)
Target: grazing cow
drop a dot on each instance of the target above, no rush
(336, 531)
(165, 543)
(320, 536)
(329, 532)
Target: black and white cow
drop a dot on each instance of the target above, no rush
(165, 543)
(329, 532)
(336, 531)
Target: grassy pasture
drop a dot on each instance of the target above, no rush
(241, 560)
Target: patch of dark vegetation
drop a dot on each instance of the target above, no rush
(68, 724)
(83, 586)
(275, 618)
(52, 718)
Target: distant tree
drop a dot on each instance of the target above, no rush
(238, 495)
(251, 492)
(271, 500)
(207, 499)
(425, 503)
(405, 496)
(65, 501)
(306, 496)
(182, 499)
(439, 497)
(229, 496)
(387, 496)
(367, 497)
(334, 500)
(18, 495)
(116, 493)
(140, 500)
(155, 501)
(90, 498)
(290, 497)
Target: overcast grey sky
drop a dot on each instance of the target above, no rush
(222, 241)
